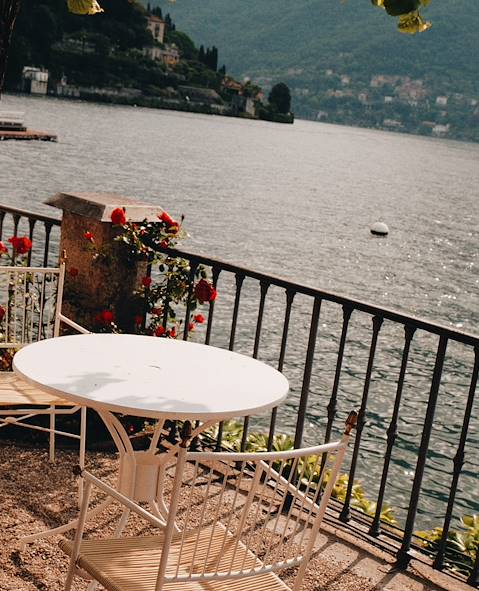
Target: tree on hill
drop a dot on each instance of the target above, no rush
(280, 98)
(184, 43)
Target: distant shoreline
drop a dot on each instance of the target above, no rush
(165, 104)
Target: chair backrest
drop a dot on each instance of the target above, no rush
(30, 304)
(243, 514)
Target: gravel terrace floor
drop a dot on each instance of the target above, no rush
(35, 495)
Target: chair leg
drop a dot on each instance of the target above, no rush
(52, 435)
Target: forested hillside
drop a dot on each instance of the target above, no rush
(266, 35)
(297, 41)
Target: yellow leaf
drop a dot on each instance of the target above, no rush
(84, 6)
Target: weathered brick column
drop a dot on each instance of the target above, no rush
(94, 286)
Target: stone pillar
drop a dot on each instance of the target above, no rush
(92, 286)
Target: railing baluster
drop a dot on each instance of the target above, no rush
(191, 285)
(332, 405)
(264, 286)
(346, 510)
(402, 556)
(46, 252)
(244, 436)
(239, 283)
(31, 225)
(458, 463)
(391, 432)
(216, 273)
(347, 311)
(16, 220)
(284, 339)
(166, 304)
(308, 367)
(2, 218)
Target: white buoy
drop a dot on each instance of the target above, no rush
(379, 229)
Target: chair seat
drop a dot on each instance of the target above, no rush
(14, 392)
(131, 564)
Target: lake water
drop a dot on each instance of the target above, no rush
(296, 201)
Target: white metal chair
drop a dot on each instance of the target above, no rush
(30, 310)
(234, 520)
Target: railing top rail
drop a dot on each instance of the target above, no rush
(386, 313)
(30, 215)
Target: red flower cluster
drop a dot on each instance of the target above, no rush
(146, 281)
(205, 292)
(118, 216)
(20, 245)
(161, 331)
(88, 236)
(3, 248)
(2, 312)
(104, 318)
(173, 227)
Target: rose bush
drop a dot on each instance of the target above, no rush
(21, 246)
(163, 295)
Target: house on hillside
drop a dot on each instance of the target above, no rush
(411, 90)
(168, 55)
(157, 27)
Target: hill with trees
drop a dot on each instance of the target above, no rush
(129, 54)
(313, 45)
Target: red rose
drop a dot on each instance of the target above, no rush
(146, 281)
(138, 320)
(20, 245)
(167, 219)
(199, 318)
(191, 326)
(205, 292)
(118, 216)
(2, 312)
(88, 236)
(73, 272)
(160, 331)
(3, 249)
(172, 333)
(104, 317)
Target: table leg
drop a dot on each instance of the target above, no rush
(141, 475)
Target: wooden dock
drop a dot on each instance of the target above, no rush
(27, 134)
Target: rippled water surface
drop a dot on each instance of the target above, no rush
(298, 201)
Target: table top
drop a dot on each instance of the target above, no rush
(151, 377)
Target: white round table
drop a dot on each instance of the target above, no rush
(153, 378)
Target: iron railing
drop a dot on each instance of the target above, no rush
(18, 222)
(413, 381)
(421, 363)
